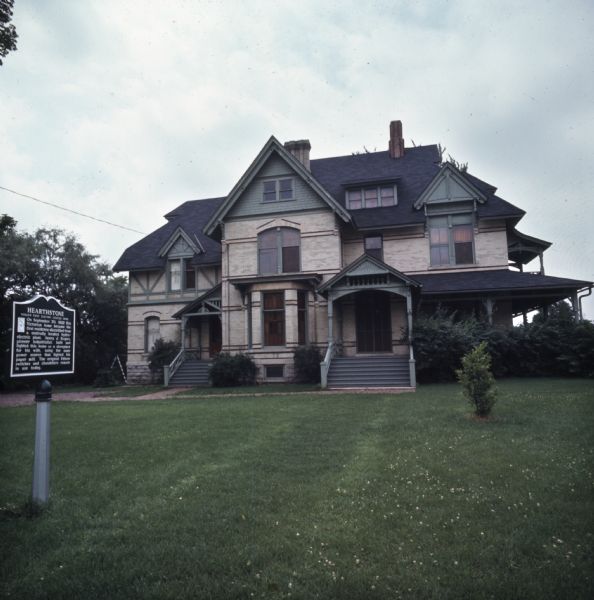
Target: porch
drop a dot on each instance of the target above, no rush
(369, 327)
(201, 340)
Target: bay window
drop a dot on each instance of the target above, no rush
(273, 309)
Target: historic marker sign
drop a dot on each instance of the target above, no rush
(42, 338)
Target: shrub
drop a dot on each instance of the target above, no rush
(560, 346)
(478, 383)
(108, 378)
(231, 370)
(440, 342)
(162, 354)
(307, 361)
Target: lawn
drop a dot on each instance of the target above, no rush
(306, 496)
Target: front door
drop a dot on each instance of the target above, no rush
(215, 335)
(374, 329)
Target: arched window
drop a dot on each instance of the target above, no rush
(278, 251)
(152, 332)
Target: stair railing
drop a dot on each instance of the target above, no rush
(325, 364)
(170, 369)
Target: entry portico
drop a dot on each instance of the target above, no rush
(374, 306)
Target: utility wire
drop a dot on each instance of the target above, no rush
(71, 211)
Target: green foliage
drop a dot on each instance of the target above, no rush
(440, 342)
(478, 383)
(307, 361)
(8, 34)
(559, 345)
(54, 263)
(108, 378)
(232, 370)
(161, 355)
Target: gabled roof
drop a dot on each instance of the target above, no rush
(272, 146)
(194, 245)
(366, 265)
(449, 185)
(212, 294)
(190, 217)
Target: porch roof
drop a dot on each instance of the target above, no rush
(500, 280)
(526, 291)
(214, 294)
(365, 266)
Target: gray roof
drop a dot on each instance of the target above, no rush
(191, 216)
(493, 281)
(412, 174)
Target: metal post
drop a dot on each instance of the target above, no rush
(41, 463)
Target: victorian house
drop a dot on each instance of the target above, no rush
(339, 252)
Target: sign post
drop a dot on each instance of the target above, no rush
(41, 462)
(42, 344)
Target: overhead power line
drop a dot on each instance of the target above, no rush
(70, 210)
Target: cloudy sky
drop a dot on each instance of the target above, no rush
(124, 109)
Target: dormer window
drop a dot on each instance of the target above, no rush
(275, 190)
(371, 197)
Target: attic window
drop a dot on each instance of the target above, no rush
(274, 190)
(372, 197)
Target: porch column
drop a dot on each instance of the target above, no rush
(575, 305)
(330, 318)
(525, 317)
(489, 306)
(540, 257)
(411, 354)
(183, 332)
(199, 339)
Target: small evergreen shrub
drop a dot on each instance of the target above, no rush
(162, 354)
(232, 370)
(478, 383)
(307, 361)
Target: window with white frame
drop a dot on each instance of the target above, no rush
(372, 196)
(451, 239)
(274, 190)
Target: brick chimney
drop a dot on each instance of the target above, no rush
(300, 150)
(396, 140)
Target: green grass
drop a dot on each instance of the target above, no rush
(127, 391)
(267, 388)
(312, 496)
